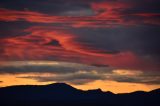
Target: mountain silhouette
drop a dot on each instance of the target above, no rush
(61, 94)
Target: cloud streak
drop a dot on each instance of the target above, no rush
(78, 74)
(44, 43)
(103, 14)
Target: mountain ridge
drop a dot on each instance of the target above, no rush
(61, 94)
(67, 85)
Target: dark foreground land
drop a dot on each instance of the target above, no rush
(61, 94)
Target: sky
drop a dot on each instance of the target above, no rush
(89, 44)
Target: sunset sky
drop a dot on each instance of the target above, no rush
(109, 44)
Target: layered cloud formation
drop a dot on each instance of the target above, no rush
(74, 73)
(115, 34)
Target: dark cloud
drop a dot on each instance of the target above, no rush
(140, 79)
(79, 45)
(54, 43)
(60, 68)
(142, 40)
(83, 77)
(78, 7)
(56, 7)
(12, 29)
(136, 77)
(77, 78)
(77, 73)
(141, 6)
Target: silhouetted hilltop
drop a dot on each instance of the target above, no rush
(61, 94)
(156, 91)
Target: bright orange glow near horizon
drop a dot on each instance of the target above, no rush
(80, 76)
(113, 86)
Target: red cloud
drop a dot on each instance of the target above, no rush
(106, 15)
(35, 46)
(13, 15)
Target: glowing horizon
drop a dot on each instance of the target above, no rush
(86, 43)
(47, 72)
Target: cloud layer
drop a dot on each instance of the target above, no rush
(122, 34)
(47, 71)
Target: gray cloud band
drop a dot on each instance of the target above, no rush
(80, 74)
